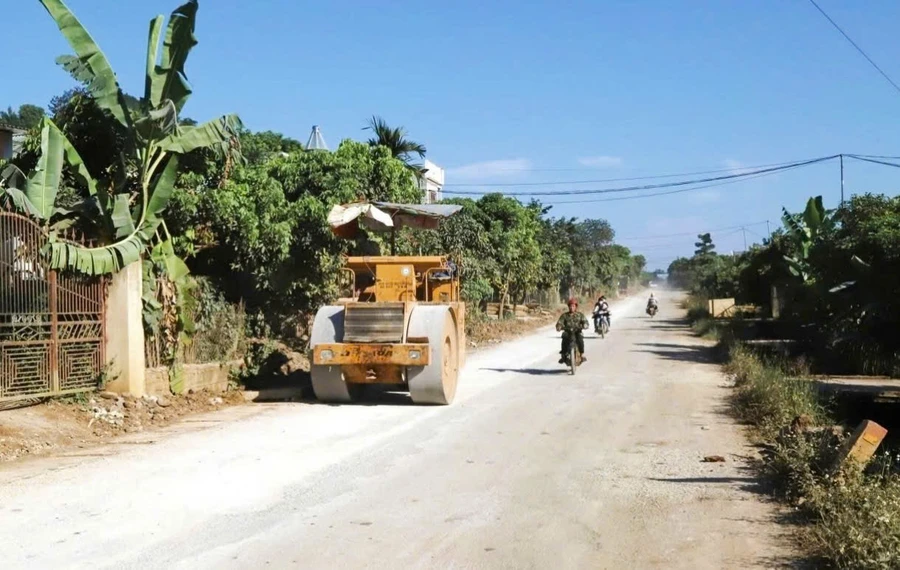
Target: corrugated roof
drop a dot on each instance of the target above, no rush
(345, 219)
(429, 210)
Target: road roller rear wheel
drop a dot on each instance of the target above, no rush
(328, 381)
(435, 383)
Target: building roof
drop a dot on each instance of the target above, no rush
(10, 128)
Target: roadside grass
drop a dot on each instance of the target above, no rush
(702, 322)
(771, 393)
(852, 516)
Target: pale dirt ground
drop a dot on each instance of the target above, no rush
(530, 468)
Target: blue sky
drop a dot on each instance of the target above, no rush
(527, 91)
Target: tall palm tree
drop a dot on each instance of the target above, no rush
(395, 139)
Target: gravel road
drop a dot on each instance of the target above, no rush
(530, 468)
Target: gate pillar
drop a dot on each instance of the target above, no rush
(125, 332)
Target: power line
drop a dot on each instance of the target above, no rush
(757, 234)
(654, 194)
(874, 156)
(748, 174)
(680, 244)
(859, 49)
(737, 226)
(599, 180)
(872, 160)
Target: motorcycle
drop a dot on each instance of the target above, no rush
(651, 310)
(601, 324)
(573, 359)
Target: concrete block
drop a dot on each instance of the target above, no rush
(861, 446)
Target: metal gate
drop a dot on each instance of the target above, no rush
(52, 324)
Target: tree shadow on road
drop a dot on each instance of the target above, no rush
(531, 371)
(679, 352)
(751, 480)
(672, 324)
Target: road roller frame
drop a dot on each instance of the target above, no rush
(400, 321)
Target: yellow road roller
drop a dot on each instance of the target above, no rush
(402, 323)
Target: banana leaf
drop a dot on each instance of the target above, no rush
(161, 193)
(43, 184)
(90, 64)
(20, 201)
(121, 217)
(168, 80)
(210, 134)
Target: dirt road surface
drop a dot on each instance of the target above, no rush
(530, 468)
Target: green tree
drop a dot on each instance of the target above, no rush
(512, 232)
(27, 117)
(556, 254)
(704, 246)
(257, 147)
(395, 139)
(263, 234)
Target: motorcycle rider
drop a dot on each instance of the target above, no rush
(572, 324)
(651, 302)
(602, 309)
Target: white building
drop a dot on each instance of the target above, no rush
(10, 141)
(431, 183)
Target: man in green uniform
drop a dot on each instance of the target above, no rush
(572, 324)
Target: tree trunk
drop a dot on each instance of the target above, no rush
(504, 294)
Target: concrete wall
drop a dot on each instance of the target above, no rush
(212, 377)
(157, 381)
(125, 332)
(721, 307)
(125, 346)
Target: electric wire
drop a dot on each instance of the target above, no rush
(681, 183)
(859, 49)
(654, 194)
(659, 236)
(628, 179)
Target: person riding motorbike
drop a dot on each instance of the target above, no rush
(601, 309)
(652, 306)
(572, 324)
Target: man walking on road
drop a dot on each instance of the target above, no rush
(572, 324)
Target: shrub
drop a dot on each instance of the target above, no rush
(854, 515)
(770, 398)
(219, 327)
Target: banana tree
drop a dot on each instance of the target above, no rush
(804, 230)
(155, 141)
(36, 194)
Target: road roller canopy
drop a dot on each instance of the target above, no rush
(345, 220)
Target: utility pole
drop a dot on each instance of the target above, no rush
(842, 181)
(744, 231)
(768, 231)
